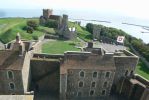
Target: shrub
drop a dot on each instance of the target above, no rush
(32, 23)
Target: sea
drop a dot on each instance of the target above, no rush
(85, 16)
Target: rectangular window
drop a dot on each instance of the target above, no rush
(93, 84)
(95, 74)
(107, 75)
(103, 92)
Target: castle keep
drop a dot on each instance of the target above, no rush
(62, 23)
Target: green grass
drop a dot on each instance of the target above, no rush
(81, 32)
(142, 70)
(58, 47)
(9, 27)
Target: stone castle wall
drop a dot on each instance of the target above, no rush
(73, 80)
(125, 66)
(26, 72)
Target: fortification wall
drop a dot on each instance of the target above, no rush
(125, 66)
(26, 75)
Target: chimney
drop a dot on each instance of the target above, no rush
(19, 45)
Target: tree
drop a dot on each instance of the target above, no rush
(29, 29)
(89, 27)
(33, 23)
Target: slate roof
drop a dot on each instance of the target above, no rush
(11, 60)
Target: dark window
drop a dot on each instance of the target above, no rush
(126, 73)
(70, 72)
(79, 94)
(91, 92)
(81, 74)
(80, 84)
(105, 84)
(103, 92)
(11, 86)
(131, 73)
(93, 84)
(94, 74)
(107, 74)
(10, 74)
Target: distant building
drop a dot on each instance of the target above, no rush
(62, 22)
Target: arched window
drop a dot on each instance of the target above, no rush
(10, 75)
(94, 74)
(81, 74)
(107, 74)
(81, 84)
(12, 86)
(105, 84)
(93, 84)
(91, 92)
(103, 92)
(126, 72)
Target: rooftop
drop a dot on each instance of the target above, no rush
(11, 60)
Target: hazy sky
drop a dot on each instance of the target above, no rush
(131, 8)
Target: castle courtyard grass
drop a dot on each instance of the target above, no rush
(142, 70)
(58, 47)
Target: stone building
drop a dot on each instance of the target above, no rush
(62, 21)
(91, 73)
(94, 73)
(48, 15)
(15, 68)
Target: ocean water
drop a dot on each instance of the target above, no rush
(116, 19)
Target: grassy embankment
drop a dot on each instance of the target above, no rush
(9, 27)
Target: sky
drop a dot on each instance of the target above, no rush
(131, 8)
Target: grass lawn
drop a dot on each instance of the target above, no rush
(142, 70)
(58, 47)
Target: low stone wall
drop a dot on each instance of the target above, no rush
(41, 37)
(47, 56)
(47, 36)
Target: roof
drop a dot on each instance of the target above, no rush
(10, 59)
(87, 60)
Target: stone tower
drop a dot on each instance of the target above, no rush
(65, 22)
(47, 13)
(96, 32)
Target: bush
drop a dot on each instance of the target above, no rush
(32, 23)
(29, 29)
